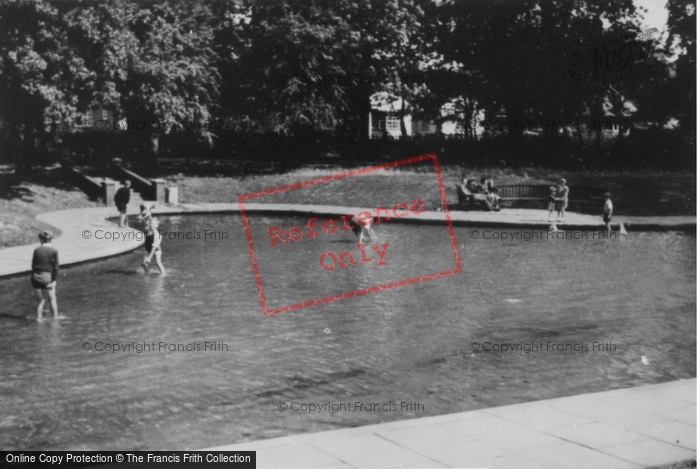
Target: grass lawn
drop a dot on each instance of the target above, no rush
(21, 199)
(634, 192)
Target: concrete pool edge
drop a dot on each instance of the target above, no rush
(631, 427)
(74, 248)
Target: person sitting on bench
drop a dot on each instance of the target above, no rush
(488, 187)
(488, 184)
(470, 192)
(464, 195)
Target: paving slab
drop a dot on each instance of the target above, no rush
(650, 452)
(543, 418)
(447, 446)
(645, 401)
(566, 455)
(371, 451)
(595, 435)
(676, 433)
(686, 413)
(500, 433)
(684, 393)
(611, 413)
(568, 432)
(301, 456)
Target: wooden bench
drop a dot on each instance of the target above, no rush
(533, 192)
(585, 198)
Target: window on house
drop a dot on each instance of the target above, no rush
(377, 122)
(392, 123)
(105, 115)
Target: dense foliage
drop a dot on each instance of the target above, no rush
(306, 69)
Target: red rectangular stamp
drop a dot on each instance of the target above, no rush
(336, 265)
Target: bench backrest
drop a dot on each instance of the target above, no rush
(540, 191)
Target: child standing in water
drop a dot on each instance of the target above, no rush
(44, 274)
(607, 210)
(363, 231)
(368, 232)
(152, 247)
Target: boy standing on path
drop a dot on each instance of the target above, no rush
(121, 200)
(44, 274)
(607, 210)
(562, 200)
(552, 199)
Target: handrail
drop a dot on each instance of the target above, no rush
(141, 185)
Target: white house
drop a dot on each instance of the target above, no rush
(384, 120)
(97, 118)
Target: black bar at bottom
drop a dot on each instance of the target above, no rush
(131, 459)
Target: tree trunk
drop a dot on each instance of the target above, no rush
(152, 158)
(468, 118)
(402, 124)
(620, 128)
(15, 144)
(29, 155)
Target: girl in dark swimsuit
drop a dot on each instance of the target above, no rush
(152, 247)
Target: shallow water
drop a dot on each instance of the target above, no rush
(411, 344)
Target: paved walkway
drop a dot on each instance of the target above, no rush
(625, 428)
(75, 248)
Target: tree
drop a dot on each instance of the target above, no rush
(405, 57)
(510, 55)
(286, 76)
(324, 59)
(40, 76)
(386, 42)
(683, 41)
(152, 62)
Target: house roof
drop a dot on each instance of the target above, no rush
(382, 102)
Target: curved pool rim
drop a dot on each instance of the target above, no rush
(73, 222)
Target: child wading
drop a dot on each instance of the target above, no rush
(44, 274)
(152, 247)
(363, 231)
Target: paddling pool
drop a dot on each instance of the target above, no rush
(410, 345)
